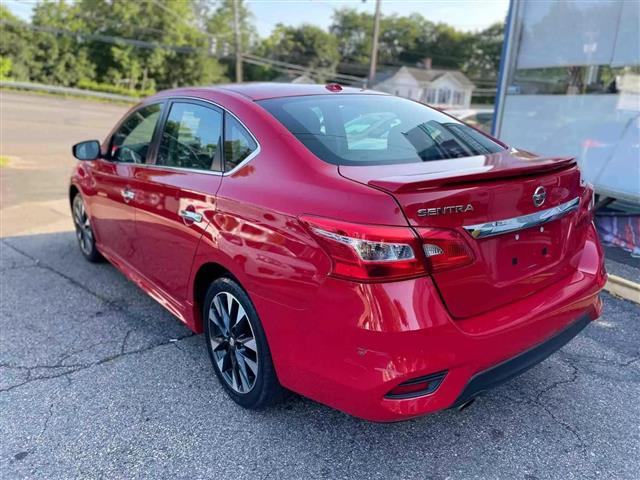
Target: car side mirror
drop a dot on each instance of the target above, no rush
(89, 150)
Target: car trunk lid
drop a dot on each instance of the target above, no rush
(520, 245)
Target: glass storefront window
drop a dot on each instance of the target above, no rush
(573, 88)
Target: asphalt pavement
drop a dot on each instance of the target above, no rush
(97, 380)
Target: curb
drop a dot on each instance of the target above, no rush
(623, 288)
(39, 87)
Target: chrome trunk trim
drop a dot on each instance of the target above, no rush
(490, 229)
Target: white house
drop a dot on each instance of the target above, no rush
(440, 88)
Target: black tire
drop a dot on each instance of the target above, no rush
(233, 349)
(84, 232)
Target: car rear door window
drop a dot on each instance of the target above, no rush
(191, 137)
(131, 141)
(238, 143)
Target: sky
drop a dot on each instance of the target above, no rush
(468, 15)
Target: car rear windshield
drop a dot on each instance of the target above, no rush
(356, 129)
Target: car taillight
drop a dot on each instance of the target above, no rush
(444, 249)
(368, 252)
(587, 208)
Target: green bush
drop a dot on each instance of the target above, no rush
(108, 88)
(5, 68)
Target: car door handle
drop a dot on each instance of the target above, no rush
(128, 194)
(192, 216)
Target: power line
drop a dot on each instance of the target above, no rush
(312, 73)
(105, 38)
(115, 40)
(301, 70)
(294, 66)
(169, 10)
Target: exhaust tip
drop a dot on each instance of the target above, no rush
(466, 404)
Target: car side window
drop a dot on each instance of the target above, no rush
(191, 138)
(238, 143)
(131, 142)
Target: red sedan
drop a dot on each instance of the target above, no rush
(363, 250)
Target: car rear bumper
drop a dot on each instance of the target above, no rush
(357, 342)
(519, 364)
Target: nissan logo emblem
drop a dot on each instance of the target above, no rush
(539, 196)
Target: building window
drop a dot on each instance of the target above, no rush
(458, 98)
(431, 96)
(444, 96)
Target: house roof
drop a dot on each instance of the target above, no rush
(424, 75)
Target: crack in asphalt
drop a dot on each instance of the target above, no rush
(575, 372)
(83, 366)
(603, 361)
(67, 355)
(537, 401)
(73, 368)
(70, 279)
(18, 267)
(556, 384)
(60, 363)
(46, 422)
(123, 346)
(112, 306)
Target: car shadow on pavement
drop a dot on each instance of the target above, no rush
(97, 380)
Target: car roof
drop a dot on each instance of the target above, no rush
(264, 90)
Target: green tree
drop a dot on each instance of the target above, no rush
(306, 45)
(15, 45)
(136, 45)
(60, 57)
(446, 46)
(403, 40)
(168, 49)
(485, 49)
(353, 30)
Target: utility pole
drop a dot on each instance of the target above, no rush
(374, 46)
(238, 39)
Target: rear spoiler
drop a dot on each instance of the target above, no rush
(411, 183)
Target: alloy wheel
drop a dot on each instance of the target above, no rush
(233, 342)
(83, 227)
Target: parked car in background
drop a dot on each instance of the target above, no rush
(360, 249)
(478, 118)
